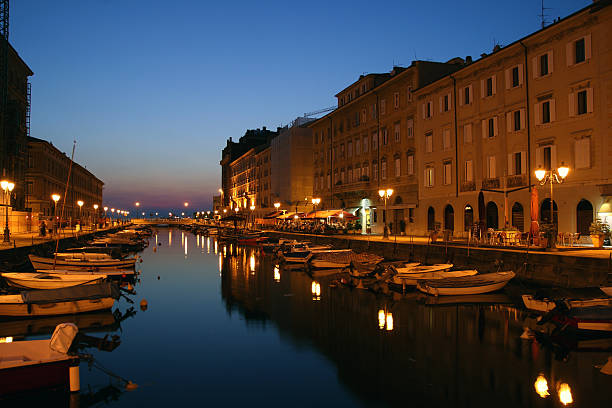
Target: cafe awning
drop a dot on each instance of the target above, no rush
(290, 215)
(274, 214)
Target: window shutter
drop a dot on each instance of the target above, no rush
(590, 100)
(536, 71)
(424, 110)
(587, 46)
(507, 78)
(520, 69)
(495, 128)
(425, 178)
(482, 88)
(440, 100)
(569, 53)
(553, 114)
(509, 122)
(539, 157)
(467, 133)
(450, 101)
(492, 166)
(510, 165)
(484, 129)
(469, 172)
(471, 93)
(461, 96)
(572, 104)
(494, 84)
(522, 119)
(523, 163)
(550, 61)
(553, 156)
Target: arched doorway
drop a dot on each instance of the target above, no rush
(431, 219)
(492, 216)
(518, 217)
(468, 217)
(545, 212)
(449, 218)
(584, 216)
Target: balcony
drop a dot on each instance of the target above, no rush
(490, 183)
(467, 186)
(519, 180)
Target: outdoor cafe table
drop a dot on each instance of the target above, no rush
(508, 237)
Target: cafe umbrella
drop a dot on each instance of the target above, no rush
(482, 214)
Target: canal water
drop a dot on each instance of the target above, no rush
(225, 326)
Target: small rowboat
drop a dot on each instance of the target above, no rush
(416, 268)
(40, 262)
(341, 258)
(607, 290)
(413, 278)
(467, 285)
(590, 319)
(546, 305)
(50, 280)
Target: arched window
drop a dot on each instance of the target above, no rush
(449, 218)
(518, 217)
(398, 200)
(584, 216)
(431, 219)
(545, 212)
(468, 217)
(492, 216)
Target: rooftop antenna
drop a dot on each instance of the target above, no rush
(543, 16)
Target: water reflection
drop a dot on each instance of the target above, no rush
(170, 238)
(439, 354)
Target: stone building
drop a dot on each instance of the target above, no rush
(47, 174)
(368, 143)
(542, 101)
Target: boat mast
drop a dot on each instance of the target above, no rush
(63, 205)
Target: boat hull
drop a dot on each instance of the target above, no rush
(56, 308)
(607, 290)
(29, 280)
(36, 376)
(468, 285)
(95, 266)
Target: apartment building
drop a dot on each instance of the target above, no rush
(540, 102)
(368, 144)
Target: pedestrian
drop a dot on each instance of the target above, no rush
(43, 229)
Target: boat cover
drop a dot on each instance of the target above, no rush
(95, 291)
(62, 337)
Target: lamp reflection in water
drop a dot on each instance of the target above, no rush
(170, 238)
(565, 394)
(224, 250)
(208, 245)
(252, 263)
(541, 386)
(197, 240)
(185, 248)
(216, 248)
(385, 320)
(155, 239)
(220, 264)
(276, 273)
(315, 288)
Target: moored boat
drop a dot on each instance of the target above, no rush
(39, 262)
(607, 290)
(467, 285)
(413, 278)
(588, 319)
(50, 280)
(416, 268)
(546, 304)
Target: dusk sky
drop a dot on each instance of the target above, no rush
(151, 90)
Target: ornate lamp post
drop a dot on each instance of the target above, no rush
(315, 203)
(105, 210)
(252, 208)
(95, 206)
(385, 194)
(552, 176)
(55, 198)
(80, 204)
(8, 187)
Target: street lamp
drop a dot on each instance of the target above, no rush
(252, 208)
(385, 194)
(552, 176)
(55, 198)
(105, 210)
(315, 203)
(96, 206)
(7, 186)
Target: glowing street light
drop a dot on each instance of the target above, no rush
(552, 176)
(55, 198)
(385, 195)
(8, 187)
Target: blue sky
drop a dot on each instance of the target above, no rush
(151, 90)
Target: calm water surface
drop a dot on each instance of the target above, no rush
(224, 327)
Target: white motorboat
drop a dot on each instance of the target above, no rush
(413, 278)
(36, 364)
(50, 280)
(546, 305)
(39, 262)
(466, 285)
(334, 258)
(81, 256)
(417, 268)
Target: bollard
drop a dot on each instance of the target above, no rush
(75, 381)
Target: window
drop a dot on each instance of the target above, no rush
(469, 171)
(581, 102)
(375, 170)
(396, 132)
(383, 169)
(409, 128)
(429, 176)
(396, 100)
(545, 64)
(491, 167)
(328, 180)
(374, 141)
(357, 147)
(342, 176)
(429, 142)
(357, 173)
(445, 103)
(515, 77)
(546, 157)
(373, 111)
(383, 106)
(363, 115)
(349, 149)
(409, 94)
(467, 95)
(411, 215)
(582, 152)
(427, 110)
(488, 87)
(410, 164)
(489, 127)
(447, 172)
(350, 175)
(467, 133)
(385, 136)
(516, 120)
(516, 163)
(366, 144)
(546, 112)
(578, 50)
(446, 139)
(342, 151)
(366, 170)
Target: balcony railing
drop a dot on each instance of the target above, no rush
(468, 186)
(518, 180)
(490, 183)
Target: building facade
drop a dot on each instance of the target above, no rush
(368, 144)
(47, 174)
(539, 102)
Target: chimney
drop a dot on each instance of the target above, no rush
(468, 59)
